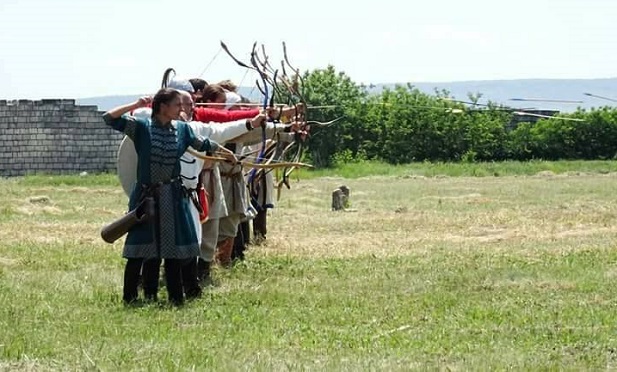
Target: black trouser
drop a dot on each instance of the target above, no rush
(240, 241)
(259, 223)
(149, 271)
(173, 279)
(174, 273)
(244, 228)
(190, 281)
(132, 269)
(203, 271)
(150, 277)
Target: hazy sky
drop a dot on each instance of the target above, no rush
(85, 48)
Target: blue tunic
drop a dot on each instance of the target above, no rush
(159, 149)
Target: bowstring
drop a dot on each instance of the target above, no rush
(211, 61)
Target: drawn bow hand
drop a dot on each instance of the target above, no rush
(285, 113)
(227, 155)
(258, 121)
(298, 127)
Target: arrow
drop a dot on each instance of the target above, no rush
(522, 113)
(255, 104)
(494, 106)
(544, 100)
(601, 97)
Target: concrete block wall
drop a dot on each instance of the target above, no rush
(54, 136)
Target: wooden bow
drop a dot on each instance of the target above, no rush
(248, 164)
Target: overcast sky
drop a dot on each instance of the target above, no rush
(85, 48)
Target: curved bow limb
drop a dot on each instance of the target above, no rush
(325, 124)
(248, 164)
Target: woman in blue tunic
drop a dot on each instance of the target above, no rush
(160, 142)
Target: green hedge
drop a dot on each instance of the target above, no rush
(404, 125)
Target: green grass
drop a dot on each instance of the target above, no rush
(376, 168)
(427, 169)
(101, 179)
(449, 273)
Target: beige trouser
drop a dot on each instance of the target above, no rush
(214, 231)
(228, 226)
(209, 238)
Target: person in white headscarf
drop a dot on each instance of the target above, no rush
(181, 85)
(194, 86)
(234, 184)
(232, 99)
(221, 209)
(198, 176)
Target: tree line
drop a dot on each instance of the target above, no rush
(403, 125)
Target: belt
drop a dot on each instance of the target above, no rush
(230, 174)
(152, 186)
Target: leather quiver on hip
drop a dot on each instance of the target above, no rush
(144, 212)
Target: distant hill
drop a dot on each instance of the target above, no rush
(498, 91)
(105, 103)
(502, 91)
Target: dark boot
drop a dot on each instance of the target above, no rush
(192, 289)
(260, 226)
(131, 280)
(150, 275)
(173, 278)
(239, 246)
(203, 273)
(245, 228)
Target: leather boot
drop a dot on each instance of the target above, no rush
(150, 274)
(223, 252)
(245, 229)
(239, 246)
(173, 278)
(131, 280)
(192, 289)
(259, 227)
(203, 273)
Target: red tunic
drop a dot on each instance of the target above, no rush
(205, 115)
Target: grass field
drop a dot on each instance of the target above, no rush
(430, 271)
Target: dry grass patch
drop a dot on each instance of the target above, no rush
(470, 274)
(528, 283)
(7, 261)
(454, 210)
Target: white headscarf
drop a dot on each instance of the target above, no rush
(181, 84)
(142, 112)
(231, 99)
